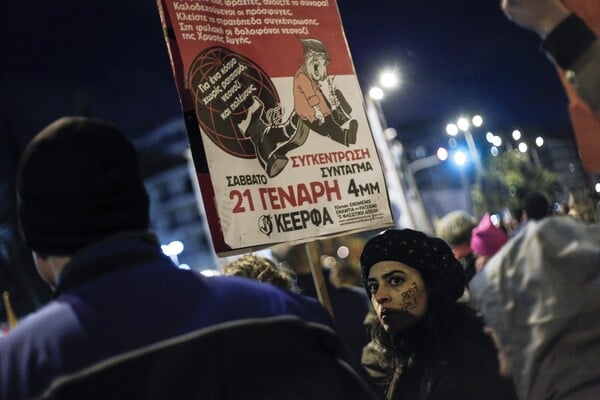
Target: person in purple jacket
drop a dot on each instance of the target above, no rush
(84, 212)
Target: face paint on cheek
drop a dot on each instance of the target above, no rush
(409, 298)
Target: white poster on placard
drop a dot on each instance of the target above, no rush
(276, 121)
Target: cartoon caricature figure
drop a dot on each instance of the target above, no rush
(313, 111)
(309, 101)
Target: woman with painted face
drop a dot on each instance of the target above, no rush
(425, 345)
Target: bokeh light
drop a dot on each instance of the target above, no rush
(523, 147)
(376, 93)
(452, 129)
(460, 158)
(516, 134)
(442, 154)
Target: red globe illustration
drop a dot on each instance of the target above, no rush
(223, 84)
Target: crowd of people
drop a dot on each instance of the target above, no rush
(495, 308)
(484, 311)
(487, 310)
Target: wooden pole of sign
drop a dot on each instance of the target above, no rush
(317, 273)
(10, 314)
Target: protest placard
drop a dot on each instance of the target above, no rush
(276, 122)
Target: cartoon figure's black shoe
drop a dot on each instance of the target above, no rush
(275, 164)
(351, 132)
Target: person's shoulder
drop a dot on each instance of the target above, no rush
(48, 325)
(265, 298)
(243, 286)
(355, 291)
(466, 320)
(353, 294)
(36, 344)
(466, 343)
(50, 316)
(470, 367)
(251, 288)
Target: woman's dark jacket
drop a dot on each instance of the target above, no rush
(454, 360)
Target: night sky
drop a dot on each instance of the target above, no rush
(107, 58)
(457, 57)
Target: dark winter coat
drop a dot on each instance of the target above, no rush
(286, 358)
(460, 362)
(122, 295)
(350, 307)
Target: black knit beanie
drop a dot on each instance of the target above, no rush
(79, 182)
(430, 256)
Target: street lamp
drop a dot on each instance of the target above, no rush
(539, 141)
(452, 129)
(394, 180)
(402, 189)
(463, 125)
(419, 164)
(390, 79)
(442, 154)
(376, 93)
(460, 158)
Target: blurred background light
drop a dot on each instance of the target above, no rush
(460, 158)
(516, 134)
(442, 154)
(376, 93)
(523, 147)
